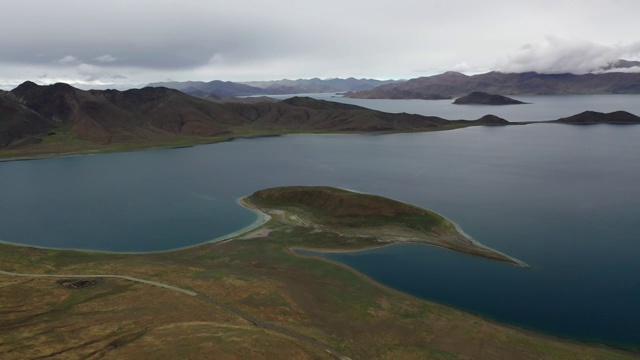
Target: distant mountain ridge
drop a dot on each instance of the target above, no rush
(30, 114)
(316, 85)
(227, 89)
(60, 118)
(453, 84)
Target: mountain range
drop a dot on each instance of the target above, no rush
(60, 118)
(225, 89)
(454, 84)
(31, 114)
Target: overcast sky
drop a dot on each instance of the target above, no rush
(120, 43)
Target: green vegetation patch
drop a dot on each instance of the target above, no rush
(337, 207)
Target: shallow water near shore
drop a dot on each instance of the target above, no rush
(562, 198)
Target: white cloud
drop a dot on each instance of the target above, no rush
(216, 59)
(558, 55)
(258, 40)
(106, 58)
(633, 69)
(69, 59)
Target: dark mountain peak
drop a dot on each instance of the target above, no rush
(156, 90)
(302, 101)
(27, 85)
(25, 88)
(311, 103)
(529, 83)
(62, 87)
(453, 74)
(144, 95)
(622, 114)
(492, 120)
(219, 82)
(483, 98)
(594, 117)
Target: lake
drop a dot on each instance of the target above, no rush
(539, 107)
(565, 199)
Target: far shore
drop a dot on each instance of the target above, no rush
(135, 147)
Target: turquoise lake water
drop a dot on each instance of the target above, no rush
(565, 199)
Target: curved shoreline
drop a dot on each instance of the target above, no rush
(458, 228)
(484, 316)
(261, 219)
(473, 247)
(477, 243)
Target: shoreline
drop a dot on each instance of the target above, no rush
(261, 219)
(239, 136)
(474, 250)
(486, 317)
(477, 243)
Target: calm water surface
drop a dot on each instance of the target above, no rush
(565, 199)
(540, 107)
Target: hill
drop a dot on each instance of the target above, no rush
(316, 85)
(227, 89)
(215, 89)
(594, 117)
(483, 98)
(356, 214)
(453, 84)
(61, 118)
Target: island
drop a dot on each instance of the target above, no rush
(250, 296)
(384, 221)
(483, 98)
(594, 117)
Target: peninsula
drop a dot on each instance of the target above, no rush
(353, 214)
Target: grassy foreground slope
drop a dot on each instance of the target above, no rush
(257, 275)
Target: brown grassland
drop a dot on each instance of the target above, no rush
(256, 274)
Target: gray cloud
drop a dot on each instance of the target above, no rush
(557, 55)
(106, 58)
(144, 41)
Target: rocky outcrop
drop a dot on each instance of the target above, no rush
(483, 98)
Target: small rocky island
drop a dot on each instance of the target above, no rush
(594, 117)
(357, 215)
(483, 98)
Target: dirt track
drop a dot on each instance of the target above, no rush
(232, 310)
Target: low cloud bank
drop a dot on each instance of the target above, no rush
(557, 56)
